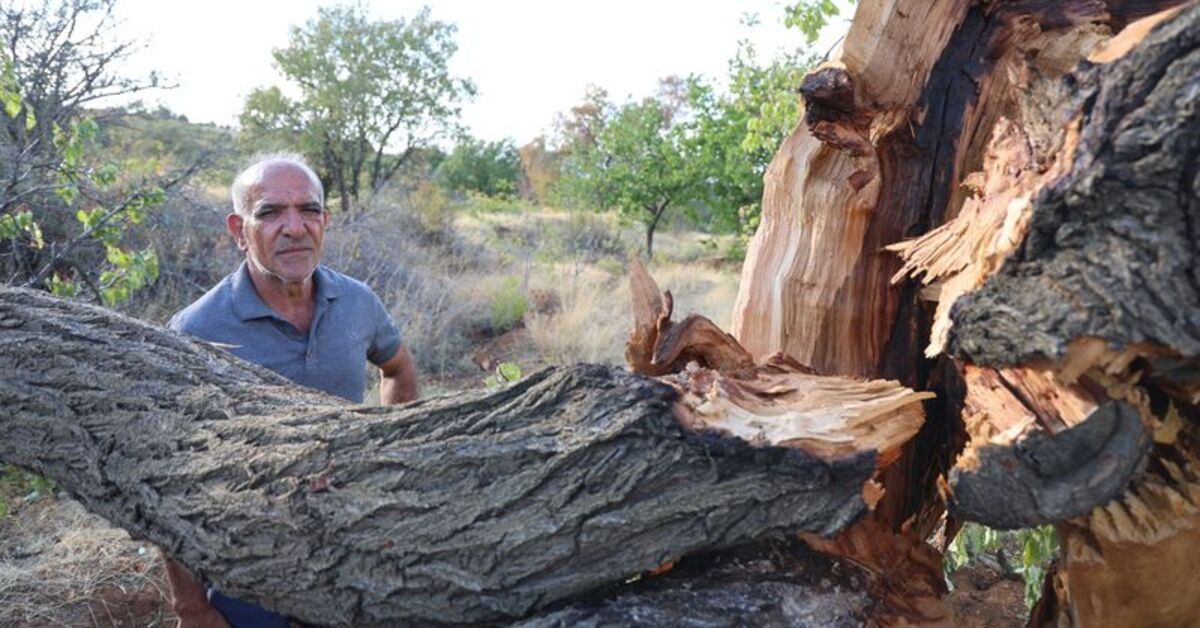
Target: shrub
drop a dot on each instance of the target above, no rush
(508, 305)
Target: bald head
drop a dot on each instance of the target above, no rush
(246, 180)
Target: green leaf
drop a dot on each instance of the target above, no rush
(62, 287)
(509, 371)
(105, 175)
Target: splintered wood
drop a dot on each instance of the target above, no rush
(960, 255)
(811, 286)
(778, 402)
(1137, 556)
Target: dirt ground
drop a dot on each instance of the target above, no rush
(983, 598)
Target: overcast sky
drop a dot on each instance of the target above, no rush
(529, 58)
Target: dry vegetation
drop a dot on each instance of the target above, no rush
(61, 566)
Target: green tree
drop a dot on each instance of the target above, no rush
(636, 164)
(733, 134)
(810, 16)
(68, 212)
(483, 167)
(371, 93)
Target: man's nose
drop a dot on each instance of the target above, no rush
(293, 223)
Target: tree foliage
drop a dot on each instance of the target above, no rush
(67, 211)
(810, 16)
(370, 93)
(631, 158)
(735, 132)
(481, 167)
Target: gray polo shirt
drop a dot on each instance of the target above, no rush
(350, 326)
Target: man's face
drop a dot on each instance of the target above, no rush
(283, 233)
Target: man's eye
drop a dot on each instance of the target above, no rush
(312, 211)
(266, 214)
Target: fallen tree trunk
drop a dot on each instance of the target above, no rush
(480, 508)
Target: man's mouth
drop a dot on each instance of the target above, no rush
(291, 251)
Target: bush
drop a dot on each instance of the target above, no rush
(508, 305)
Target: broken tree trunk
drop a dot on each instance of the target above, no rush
(1058, 214)
(481, 508)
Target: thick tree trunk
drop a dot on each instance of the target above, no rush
(1063, 206)
(481, 508)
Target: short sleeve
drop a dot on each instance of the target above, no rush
(385, 335)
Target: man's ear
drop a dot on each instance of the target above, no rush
(234, 222)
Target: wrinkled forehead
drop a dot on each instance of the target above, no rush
(284, 182)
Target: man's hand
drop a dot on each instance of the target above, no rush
(189, 599)
(398, 379)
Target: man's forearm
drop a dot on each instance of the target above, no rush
(399, 388)
(398, 379)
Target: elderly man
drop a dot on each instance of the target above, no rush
(285, 311)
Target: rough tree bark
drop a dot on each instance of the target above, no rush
(481, 508)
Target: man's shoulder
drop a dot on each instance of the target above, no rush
(213, 307)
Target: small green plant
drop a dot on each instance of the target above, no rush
(508, 305)
(77, 182)
(1037, 547)
(611, 265)
(505, 373)
(18, 484)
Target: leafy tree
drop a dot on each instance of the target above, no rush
(636, 164)
(810, 16)
(67, 213)
(474, 165)
(734, 134)
(577, 129)
(371, 92)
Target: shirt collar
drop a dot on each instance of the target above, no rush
(327, 286)
(248, 305)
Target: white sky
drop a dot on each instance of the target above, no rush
(529, 58)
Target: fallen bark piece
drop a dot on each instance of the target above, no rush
(659, 346)
(904, 573)
(485, 507)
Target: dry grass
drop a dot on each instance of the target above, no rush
(595, 318)
(60, 566)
